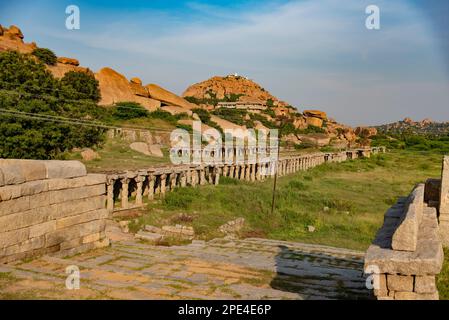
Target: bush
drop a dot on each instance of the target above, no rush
(129, 110)
(45, 55)
(30, 88)
(203, 114)
(80, 85)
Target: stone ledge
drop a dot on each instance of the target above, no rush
(18, 171)
(405, 236)
(426, 260)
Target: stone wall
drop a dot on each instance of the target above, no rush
(444, 203)
(49, 207)
(407, 252)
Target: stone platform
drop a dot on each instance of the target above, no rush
(218, 269)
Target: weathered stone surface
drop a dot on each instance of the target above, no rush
(400, 283)
(59, 196)
(426, 260)
(425, 284)
(82, 218)
(149, 236)
(70, 61)
(89, 180)
(406, 235)
(64, 169)
(415, 296)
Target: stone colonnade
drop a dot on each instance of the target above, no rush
(131, 187)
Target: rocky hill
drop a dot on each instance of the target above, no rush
(307, 127)
(229, 88)
(426, 126)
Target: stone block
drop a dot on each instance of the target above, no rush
(14, 206)
(64, 169)
(73, 232)
(400, 283)
(42, 229)
(10, 192)
(81, 218)
(25, 219)
(425, 284)
(416, 296)
(91, 237)
(383, 290)
(25, 246)
(76, 207)
(14, 237)
(60, 196)
(89, 180)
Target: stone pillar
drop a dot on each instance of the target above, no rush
(202, 177)
(110, 196)
(253, 172)
(183, 179)
(162, 186)
(248, 172)
(216, 176)
(151, 181)
(444, 203)
(210, 174)
(173, 180)
(232, 171)
(257, 167)
(193, 178)
(139, 182)
(125, 204)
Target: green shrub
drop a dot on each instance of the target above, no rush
(45, 55)
(203, 114)
(80, 85)
(129, 110)
(26, 86)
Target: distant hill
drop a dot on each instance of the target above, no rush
(230, 88)
(424, 127)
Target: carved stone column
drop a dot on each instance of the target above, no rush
(139, 182)
(125, 182)
(151, 181)
(444, 203)
(162, 186)
(110, 196)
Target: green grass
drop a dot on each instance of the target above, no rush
(117, 155)
(345, 202)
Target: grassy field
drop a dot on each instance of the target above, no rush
(116, 156)
(345, 202)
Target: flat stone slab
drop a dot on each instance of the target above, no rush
(218, 269)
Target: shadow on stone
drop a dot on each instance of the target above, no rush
(319, 276)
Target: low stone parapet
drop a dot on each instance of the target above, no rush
(49, 207)
(407, 252)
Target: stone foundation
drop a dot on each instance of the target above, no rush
(49, 207)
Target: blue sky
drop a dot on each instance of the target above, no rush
(311, 53)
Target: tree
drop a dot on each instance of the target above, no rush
(28, 89)
(80, 85)
(45, 55)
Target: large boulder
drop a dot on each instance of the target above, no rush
(316, 122)
(70, 61)
(365, 132)
(114, 87)
(174, 110)
(14, 32)
(141, 147)
(316, 114)
(167, 97)
(316, 139)
(60, 69)
(89, 154)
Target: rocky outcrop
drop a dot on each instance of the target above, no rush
(365, 132)
(12, 39)
(70, 61)
(315, 114)
(237, 86)
(167, 97)
(115, 88)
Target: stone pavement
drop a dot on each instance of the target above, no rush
(218, 269)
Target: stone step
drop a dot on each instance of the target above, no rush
(149, 236)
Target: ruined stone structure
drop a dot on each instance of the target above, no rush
(48, 207)
(56, 207)
(131, 187)
(407, 252)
